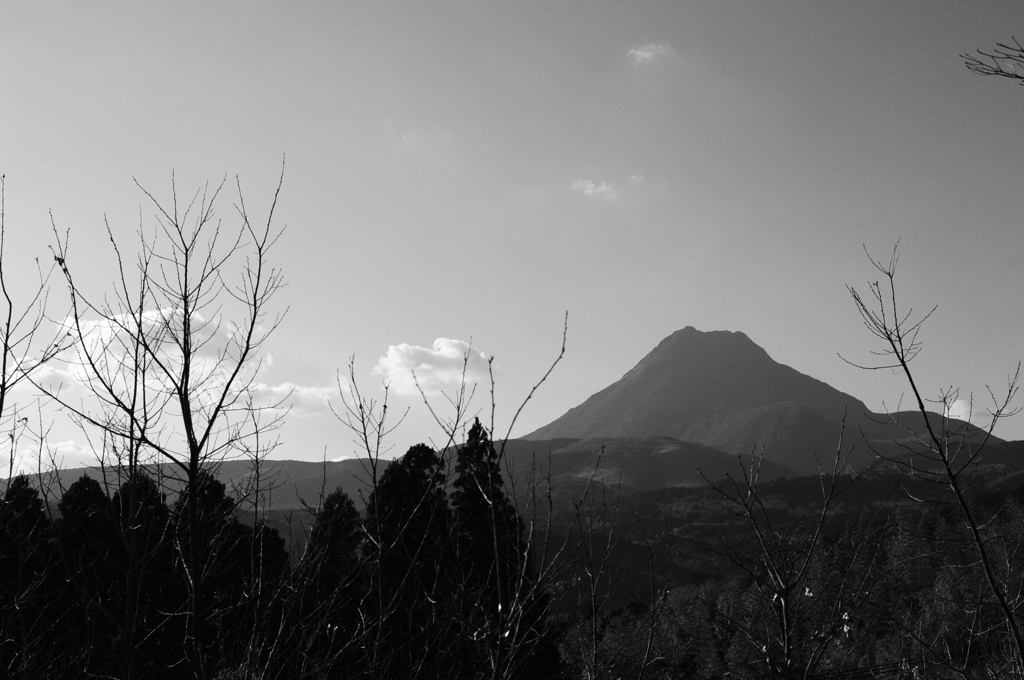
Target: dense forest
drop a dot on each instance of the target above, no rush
(447, 573)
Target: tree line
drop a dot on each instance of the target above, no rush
(436, 578)
(433, 580)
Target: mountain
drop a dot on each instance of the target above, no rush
(721, 389)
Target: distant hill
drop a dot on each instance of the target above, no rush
(289, 482)
(720, 389)
(630, 464)
(642, 464)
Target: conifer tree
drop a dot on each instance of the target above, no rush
(496, 579)
(327, 621)
(26, 581)
(407, 527)
(149, 596)
(93, 561)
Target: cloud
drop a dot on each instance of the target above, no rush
(961, 409)
(107, 346)
(420, 141)
(304, 402)
(594, 190)
(649, 54)
(437, 369)
(65, 454)
(434, 144)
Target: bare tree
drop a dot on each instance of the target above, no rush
(169, 358)
(495, 642)
(20, 335)
(25, 348)
(594, 580)
(944, 450)
(804, 604)
(1006, 60)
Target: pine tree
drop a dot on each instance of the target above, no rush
(500, 605)
(331, 586)
(406, 552)
(94, 563)
(27, 582)
(148, 594)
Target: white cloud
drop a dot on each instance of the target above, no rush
(437, 369)
(65, 454)
(108, 345)
(594, 190)
(961, 409)
(303, 401)
(649, 53)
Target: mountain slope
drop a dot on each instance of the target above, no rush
(689, 385)
(630, 464)
(720, 389)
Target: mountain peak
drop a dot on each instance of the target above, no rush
(708, 386)
(689, 345)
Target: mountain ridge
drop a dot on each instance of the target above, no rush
(721, 389)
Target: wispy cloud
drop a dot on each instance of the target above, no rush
(649, 54)
(595, 190)
(301, 401)
(105, 348)
(420, 141)
(62, 455)
(438, 368)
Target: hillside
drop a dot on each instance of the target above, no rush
(721, 389)
(633, 465)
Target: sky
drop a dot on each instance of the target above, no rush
(459, 176)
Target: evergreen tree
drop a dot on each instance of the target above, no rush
(331, 585)
(149, 598)
(407, 528)
(27, 582)
(212, 552)
(94, 564)
(501, 607)
(336, 534)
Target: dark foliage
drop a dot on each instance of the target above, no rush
(406, 549)
(412, 587)
(28, 586)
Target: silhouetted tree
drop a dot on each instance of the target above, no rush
(25, 559)
(209, 547)
(406, 553)
(336, 534)
(329, 584)
(1005, 60)
(148, 611)
(165, 380)
(501, 607)
(93, 558)
(26, 582)
(944, 453)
